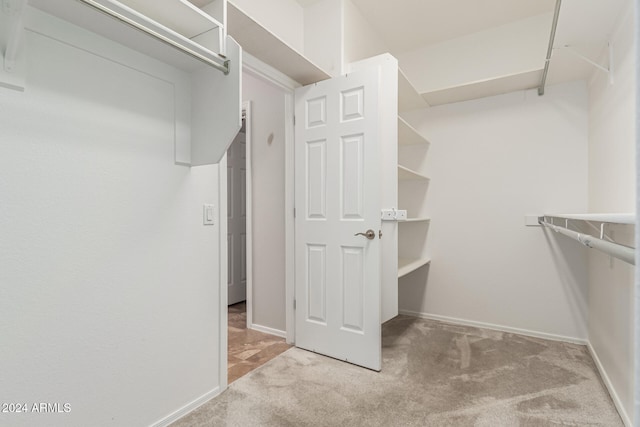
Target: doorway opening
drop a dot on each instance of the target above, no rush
(247, 348)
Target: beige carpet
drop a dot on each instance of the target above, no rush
(433, 374)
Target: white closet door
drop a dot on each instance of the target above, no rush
(337, 196)
(237, 219)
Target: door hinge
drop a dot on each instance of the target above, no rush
(294, 304)
(294, 212)
(294, 120)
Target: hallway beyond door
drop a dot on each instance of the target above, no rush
(249, 349)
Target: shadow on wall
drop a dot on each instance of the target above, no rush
(413, 287)
(567, 255)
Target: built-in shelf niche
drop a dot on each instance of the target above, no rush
(413, 185)
(412, 252)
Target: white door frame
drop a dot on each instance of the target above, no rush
(258, 69)
(246, 112)
(246, 109)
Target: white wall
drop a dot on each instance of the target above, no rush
(109, 282)
(611, 189)
(514, 48)
(360, 39)
(324, 34)
(492, 161)
(268, 193)
(284, 18)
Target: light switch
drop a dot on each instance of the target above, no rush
(401, 215)
(208, 215)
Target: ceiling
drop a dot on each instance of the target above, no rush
(407, 25)
(305, 3)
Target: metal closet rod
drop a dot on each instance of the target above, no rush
(224, 66)
(622, 252)
(554, 26)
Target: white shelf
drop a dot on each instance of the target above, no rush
(409, 175)
(268, 48)
(483, 88)
(94, 19)
(408, 96)
(407, 135)
(181, 15)
(407, 265)
(614, 218)
(414, 220)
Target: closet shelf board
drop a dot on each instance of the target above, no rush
(407, 174)
(414, 220)
(613, 218)
(181, 16)
(267, 47)
(407, 135)
(407, 265)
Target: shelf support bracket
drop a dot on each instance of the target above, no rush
(13, 9)
(554, 26)
(608, 70)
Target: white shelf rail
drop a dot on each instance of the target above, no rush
(140, 22)
(624, 253)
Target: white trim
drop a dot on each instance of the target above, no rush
(607, 382)
(464, 322)
(257, 68)
(246, 107)
(191, 406)
(222, 267)
(289, 203)
(267, 330)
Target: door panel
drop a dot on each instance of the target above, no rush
(237, 219)
(337, 196)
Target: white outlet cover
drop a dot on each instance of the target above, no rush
(388, 215)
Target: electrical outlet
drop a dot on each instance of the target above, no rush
(401, 215)
(388, 215)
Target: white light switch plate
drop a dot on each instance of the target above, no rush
(208, 217)
(401, 215)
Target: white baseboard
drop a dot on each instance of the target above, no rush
(464, 322)
(607, 382)
(174, 416)
(267, 330)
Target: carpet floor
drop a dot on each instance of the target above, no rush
(433, 374)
